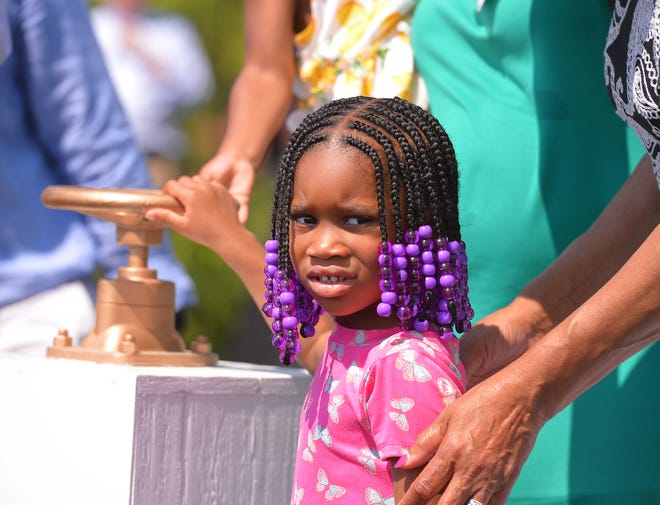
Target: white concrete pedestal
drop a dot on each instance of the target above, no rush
(74, 433)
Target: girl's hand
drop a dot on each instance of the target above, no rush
(209, 216)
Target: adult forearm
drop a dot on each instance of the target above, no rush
(594, 257)
(620, 319)
(258, 104)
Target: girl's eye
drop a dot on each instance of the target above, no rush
(304, 220)
(359, 220)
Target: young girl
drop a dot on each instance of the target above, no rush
(366, 252)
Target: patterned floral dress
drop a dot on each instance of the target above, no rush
(355, 47)
(372, 395)
(632, 70)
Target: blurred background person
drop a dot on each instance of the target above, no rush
(300, 55)
(61, 124)
(541, 152)
(161, 71)
(5, 36)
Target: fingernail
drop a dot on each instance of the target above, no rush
(402, 461)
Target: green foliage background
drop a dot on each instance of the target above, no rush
(225, 311)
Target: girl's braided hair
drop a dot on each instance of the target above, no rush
(416, 180)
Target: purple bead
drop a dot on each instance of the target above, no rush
(401, 275)
(412, 237)
(271, 245)
(443, 255)
(403, 313)
(447, 280)
(276, 326)
(443, 306)
(425, 231)
(384, 309)
(447, 335)
(385, 247)
(385, 285)
(384, 260)
(447, 293)
(279, 341)
(444, 317)
(421, 326)
(454, 246)
(428, 269)
(388, 297)
(287, 298)
(270, 270)
(398, 249)
(400, 262)
(307, 331)
(427, 257)
(441, 243)
(430, 283)
(277, 313)
(412, 250)
(271, 258)
(445, 268)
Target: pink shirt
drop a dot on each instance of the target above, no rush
(373, 393)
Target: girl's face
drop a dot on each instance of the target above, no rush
(335, 234)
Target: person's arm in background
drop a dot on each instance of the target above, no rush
(5, 35)
(599, 303)
(259, 99)
(80, 122)
(210, 219)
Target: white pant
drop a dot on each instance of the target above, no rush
(28, 326)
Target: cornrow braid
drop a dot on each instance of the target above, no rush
(424, 271)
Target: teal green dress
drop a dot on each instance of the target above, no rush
(519, 87)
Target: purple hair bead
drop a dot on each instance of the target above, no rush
(384, 309)
(289, 322)
(400, 262)
(443, 255)
(271, 245)
(287, 297)
(388, 297)
(425, 231)
(412, 250)
(447, 280)
(421, 326)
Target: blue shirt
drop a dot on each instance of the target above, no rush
(61, 123)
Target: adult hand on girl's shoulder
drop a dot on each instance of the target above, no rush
(501, 337)
(209, 211)
(477, 445)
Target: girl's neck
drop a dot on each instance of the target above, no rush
(360, 322)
